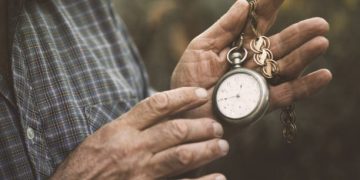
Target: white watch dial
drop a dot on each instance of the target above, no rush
(238, 95)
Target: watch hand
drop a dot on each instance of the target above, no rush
(236, 96)
(226, 98)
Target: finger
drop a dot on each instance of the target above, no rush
(293, 37)
(287, 93)
(266, 12)
(215, 176)
(171, 133)
(187, 157)
(293, 65)
(296, 35)
(155, 108)
(267, 8)
(204, 111)
(225, 30)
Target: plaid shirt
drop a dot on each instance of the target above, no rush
(74, 69)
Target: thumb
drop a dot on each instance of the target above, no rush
(225, 30)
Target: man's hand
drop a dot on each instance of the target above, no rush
(204, 61)
(145, 144)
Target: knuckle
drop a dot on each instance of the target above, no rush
(207, 121)
(209, 124)
(213, 148)
(159, 102)
(179, 130)
(211, 43)
(202, 42)
(289, 94)
(139, 146)
(184, 156)
(285, 95)
(304, 90)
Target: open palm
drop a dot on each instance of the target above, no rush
(204, 61)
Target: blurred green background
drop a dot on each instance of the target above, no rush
(328, 145)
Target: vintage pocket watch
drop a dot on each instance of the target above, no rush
(241, 96)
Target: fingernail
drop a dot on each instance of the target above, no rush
(224, 146)
(221, 177)
(201, 93)
(218, 130)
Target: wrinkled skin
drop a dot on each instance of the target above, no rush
(204, 60)
(145, 144)
(149, 143)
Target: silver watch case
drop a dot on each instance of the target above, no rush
(261, 107)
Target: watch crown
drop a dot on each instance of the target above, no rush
(236, 55)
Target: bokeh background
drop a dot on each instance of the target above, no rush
(328, 145)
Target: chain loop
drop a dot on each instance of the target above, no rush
(270, 70)
(253, 17)
(259, 44)
(237, 55)
(288, 119)
(261, 58)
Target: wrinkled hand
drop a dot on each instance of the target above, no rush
(145, 144)
(204, 61)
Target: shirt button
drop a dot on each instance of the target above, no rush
(30, 133)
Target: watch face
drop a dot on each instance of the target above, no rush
(238, 95)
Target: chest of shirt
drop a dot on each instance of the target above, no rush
(74, 70)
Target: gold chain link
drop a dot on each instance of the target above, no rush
(270, 70)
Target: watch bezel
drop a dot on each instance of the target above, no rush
(261, 107)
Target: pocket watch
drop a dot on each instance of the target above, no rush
(241, 96)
